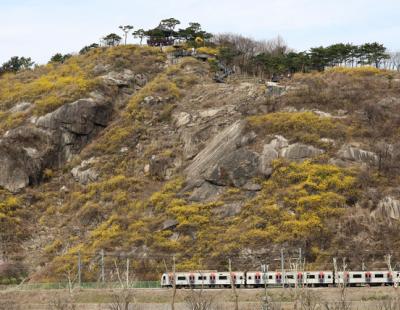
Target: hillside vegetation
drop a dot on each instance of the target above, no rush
(205, 171)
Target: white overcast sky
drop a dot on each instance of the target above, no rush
(41, 28)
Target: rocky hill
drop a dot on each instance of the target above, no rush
(120, 150)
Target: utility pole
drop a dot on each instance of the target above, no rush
(300, 257)
(102, 266)
(173, 283)
(264, 269)
(283, 267)
(233, 285)
(79, 269)
(388, 259)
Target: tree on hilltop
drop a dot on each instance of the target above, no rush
(139, 34)
(169, 24)
(164, 34)
(16, 64)
(60, 57)
(87, 48)
(112, 40)
(126, 29)
(374, 53)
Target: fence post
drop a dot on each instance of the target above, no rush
(102, 266)
(79, 270)
(127, 273)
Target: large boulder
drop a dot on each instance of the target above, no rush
(279, 147)
(84, 173)
(268, 155)
(352, 153)
(51, 140)
(234, 169)
(73, 125)
(388, 208)
(23, 153)
(222, 144)
(16, 168)
(80, 117)
(299, 151)
(120, 79)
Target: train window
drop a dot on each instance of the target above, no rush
(329, 276)
(379, 275)
(241, 277)
(222, 278)
(249, 277)
(290, 276)
(357, 276)
(163, 278)
(311, 276)
(202, 278)
(181, 278)
(270, 277)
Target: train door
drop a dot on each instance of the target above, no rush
(192, 279)
(299, 279)
(257, 278)
(278, 278)
(321, 278)
(213, 278)
(368, 277)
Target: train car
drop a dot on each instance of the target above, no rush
(361, 278)
(224, 279)
(293, 279)
(207, 279)
(259, 279)
(318, 278)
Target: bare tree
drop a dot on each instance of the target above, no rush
(122, 300)
(393, 63)
(309, 300)
(126, 29)
(389, 304)
(342, 303)
(197, 300)
(71, 280)
(8, 304)
(60, 302)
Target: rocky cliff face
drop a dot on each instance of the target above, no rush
(169, 161)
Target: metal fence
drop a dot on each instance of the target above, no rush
(84, 285)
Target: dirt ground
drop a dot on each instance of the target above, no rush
(159, 299)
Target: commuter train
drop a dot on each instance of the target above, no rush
(255, 279)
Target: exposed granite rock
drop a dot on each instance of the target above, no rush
(234, 169)
(21, 107)
(50, 141)
(388, 208)
(158, 166)
(279, 147)
(182, 119)
(83, 173)
(23, 153)
(73, 125)
(124, 78)
(169, 224)
(300, 151)
(353, 153)
(222, 144)
(268, 155)
(230, 209)
(204, 191)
